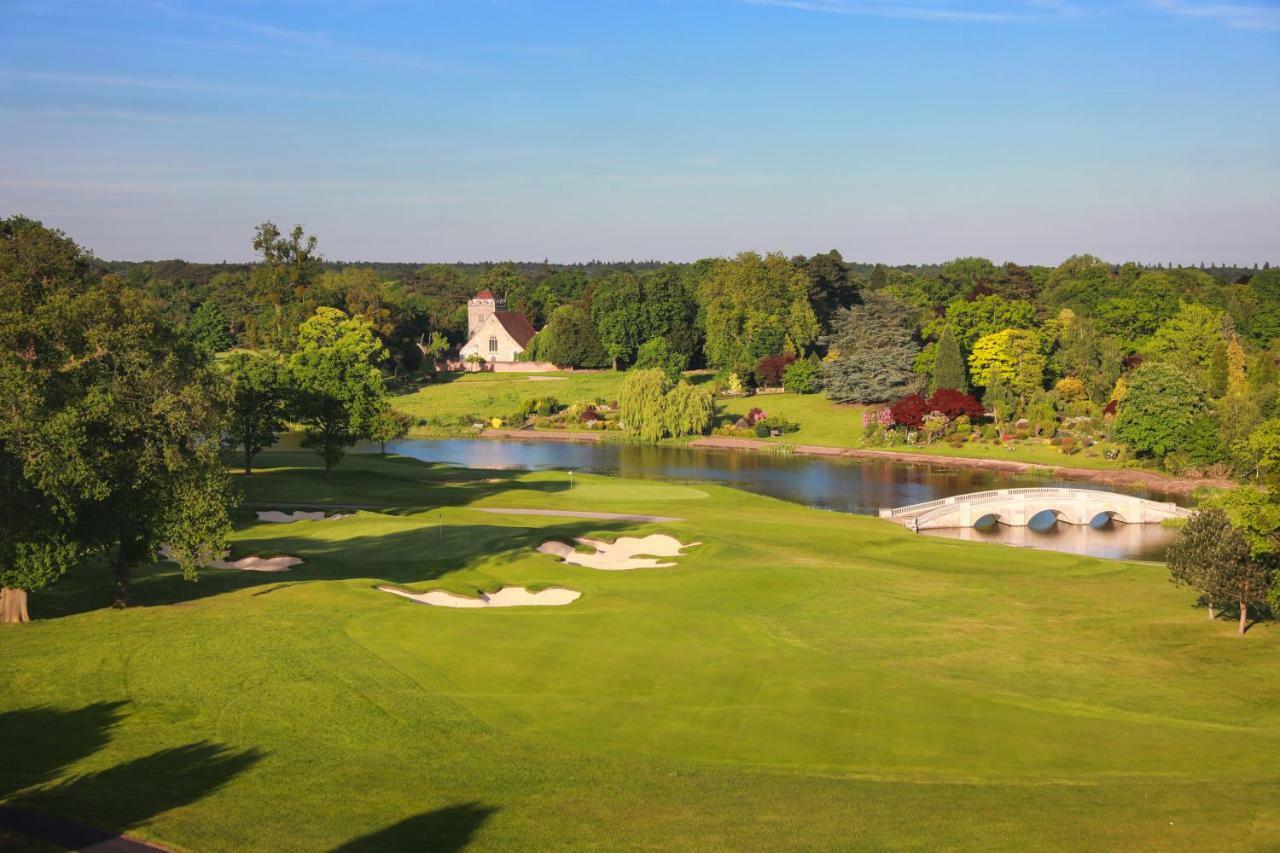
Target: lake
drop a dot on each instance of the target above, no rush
(840, 485)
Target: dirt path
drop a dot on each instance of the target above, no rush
(1132, 477)
(71, 834)
(564, 513)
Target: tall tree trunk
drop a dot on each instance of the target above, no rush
(122, 579)
(248, 461)
(13, 606)
(1244, 610)
(1211, 613)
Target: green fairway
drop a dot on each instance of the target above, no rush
(801, 680)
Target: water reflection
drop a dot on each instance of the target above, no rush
(861, 486)
(1111, 539)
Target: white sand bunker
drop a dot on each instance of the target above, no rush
(278, 517)
(245, 564)
(508, 596)
(621, 555)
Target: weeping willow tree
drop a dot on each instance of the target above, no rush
(653, 408)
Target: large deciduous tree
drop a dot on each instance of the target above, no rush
(658, 353)
(283, 281)
(1015, 355)
(113, 412)
(1187, 340)
(259, 397)
(875, 347)
(1214, 558)
(617, 307)
(754, 306)
(570, 339)
(1159, 409)
(338, 389)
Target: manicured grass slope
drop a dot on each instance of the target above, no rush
(826, 423)
(801, 680)
(484, 395)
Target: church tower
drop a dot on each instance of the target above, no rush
(481, 307)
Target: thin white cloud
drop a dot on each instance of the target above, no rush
(1025, 11)
(318, 42)
(1238, 16)
(166, 84)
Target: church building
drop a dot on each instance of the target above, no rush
(495, 334)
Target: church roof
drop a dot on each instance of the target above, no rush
(517, 326)
(485, 294)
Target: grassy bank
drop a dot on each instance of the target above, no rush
(452, 406)
(802, 679)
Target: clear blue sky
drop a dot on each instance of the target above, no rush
(894, 130)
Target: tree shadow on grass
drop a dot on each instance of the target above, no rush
(395, 485)
(40, 745)
(417, 554)
(444, 830)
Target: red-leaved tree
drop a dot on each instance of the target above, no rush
(953, 403)
(769, 369)
(910, 411)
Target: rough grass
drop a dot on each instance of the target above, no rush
(802, 680)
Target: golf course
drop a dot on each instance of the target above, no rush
(797, 679)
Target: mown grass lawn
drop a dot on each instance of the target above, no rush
(801, 680)
(833, 425)
(451, 405)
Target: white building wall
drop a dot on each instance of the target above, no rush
(506, 347)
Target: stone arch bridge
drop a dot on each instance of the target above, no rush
(1016, 507)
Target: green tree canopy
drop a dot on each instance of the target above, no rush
(657, 352)
(642, 403)
(570, 339)
(948, 364)
(259, 397)
(1158, 410)
(1015, 355)
(875, 348)
(617, 307)
(752, 306)
(209, 328)
(1187, 339)
(120, 415)
(338, 388)
(1214, 558)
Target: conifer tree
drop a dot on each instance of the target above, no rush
(948, 365)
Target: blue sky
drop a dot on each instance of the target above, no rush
(893, 130)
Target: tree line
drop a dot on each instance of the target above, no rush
(115, 417)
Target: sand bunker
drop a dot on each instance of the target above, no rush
(278, 517)
(246, 564)
(508, 596)
(621, 555)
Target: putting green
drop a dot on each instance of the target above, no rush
(802, 679)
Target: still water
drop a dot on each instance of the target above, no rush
(857, 486)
